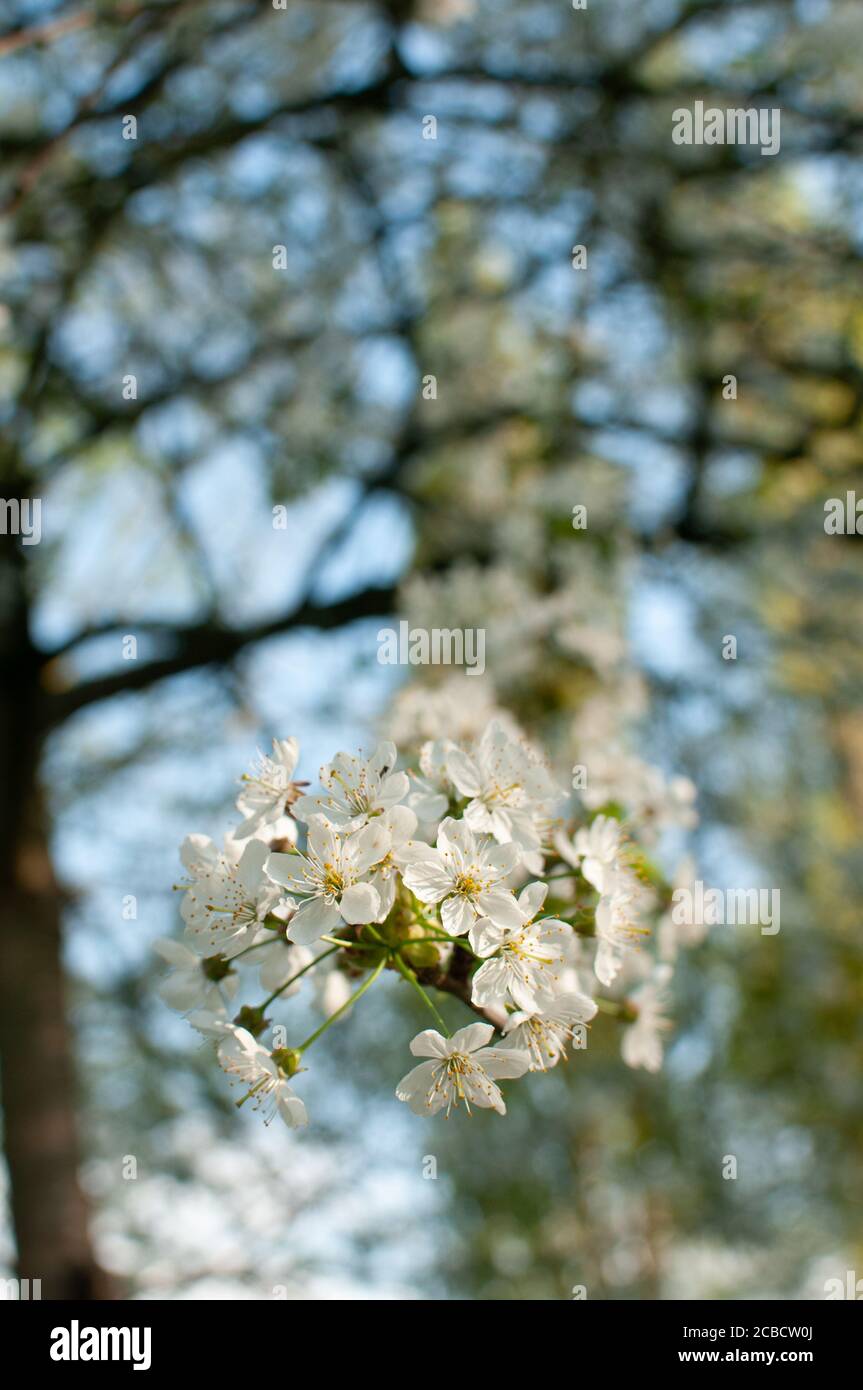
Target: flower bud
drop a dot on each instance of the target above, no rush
(216, 967)
(252, 1020)
(425, 954)
(287, 1059)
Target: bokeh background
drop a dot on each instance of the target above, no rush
(408, 257)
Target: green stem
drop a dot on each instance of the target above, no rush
(414, 982)
(449, 940)
(312, 963)
(348, 945)
(347, 1004)
(617, 1008)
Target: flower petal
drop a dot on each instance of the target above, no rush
(428, 878)
(485, 937)
(291, 1108)
(531, 898)
(175, 953)
(490, 984)
(288, 869)
(418, 1089)
(503, 1061)
(503, 859)
(455, 835)
(500, 907)
(468, 1039)
(312, 920)
(360, 904)
(463, 772)
(393, 789)
(250, 870)
(458, 914)
(429, 1043)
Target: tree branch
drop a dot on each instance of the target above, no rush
(202, 645)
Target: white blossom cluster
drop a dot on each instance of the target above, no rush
(467, 875)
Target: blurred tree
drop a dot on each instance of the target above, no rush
(255, 253)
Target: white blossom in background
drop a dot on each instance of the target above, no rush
(642, 1044)
(356, 789)
(599, 852)
(189, 986)
(431, 786)
(462, 1070)
(269, 789)
(577, 976)
(653, 801)
(213, 1024)
(227, 898)
(435, 875)
(331, 986)
(456, 709)
(278, 960)
(544, 1035)
(508, 790)
(618, 926)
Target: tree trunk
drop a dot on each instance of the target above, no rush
(49, 1211)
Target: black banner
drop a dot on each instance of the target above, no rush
(67, 1339)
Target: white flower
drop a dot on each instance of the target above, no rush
(211, 1023)
(398, 824)
(355, 789)
(598, 850)
(460, 707)
(241, 1056)
(332, 986)
(327, 877)
(279, 960)
(280, 834)
(617, 926)
(268, 789)
(462, 1068)
(189, 986)
(509, 790)
(652, 800)
(463, 874)
(229, 896)
(429, 797)
(543, 1036)
(642, 1040)
(525, 960)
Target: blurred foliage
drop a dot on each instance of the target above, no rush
(408, 257)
